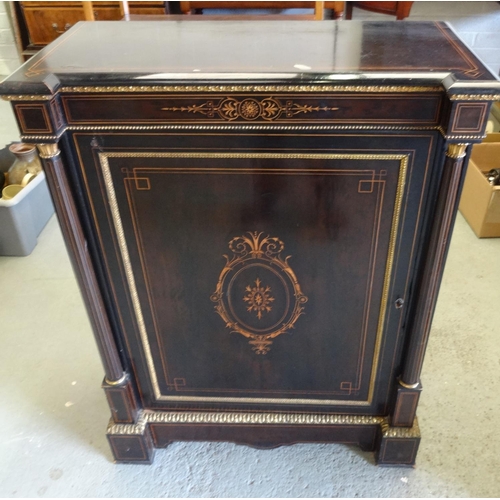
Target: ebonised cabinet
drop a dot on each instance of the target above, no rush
(258, 215)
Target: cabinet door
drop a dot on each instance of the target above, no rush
(259, 271)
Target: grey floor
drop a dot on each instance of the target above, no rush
(53, 413)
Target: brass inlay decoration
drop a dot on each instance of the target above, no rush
(201, 417)
(253, 88)
(48, 151)
(252, 250)
(400, 432)
(471, 68)
(472, 97)
(231, 109)
(148, 417)
(128, 429)
(408, 386)
(242, 126)
(120, 381)
(42, 138)
(127, 265)
(259, 298)
(27, 97)
(283, 156)
(464, 137)
(456, 151)
(115, 212)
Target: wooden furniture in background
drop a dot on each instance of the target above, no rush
(399, 9)
(45, 21)
(259, 248)
(88, 11)
(197, 7)
(38, 23)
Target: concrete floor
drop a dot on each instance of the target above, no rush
(54, 413)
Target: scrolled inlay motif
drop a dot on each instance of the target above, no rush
(231, 109)
(251, 310)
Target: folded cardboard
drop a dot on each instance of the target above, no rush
(493, 137)
(480, 201)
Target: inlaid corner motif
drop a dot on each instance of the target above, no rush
(258, 295)
(268, 109)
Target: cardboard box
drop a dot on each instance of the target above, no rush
(480, 201)
(493, 137)
(495, 111)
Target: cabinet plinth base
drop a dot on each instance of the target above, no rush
(131, 443)
(135, 443)
(398, 446)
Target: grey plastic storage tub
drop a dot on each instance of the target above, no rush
(23, 217)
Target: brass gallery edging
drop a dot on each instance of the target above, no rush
(464, 137)
(27, 97)
(400, 432)
(404, 89)
(455, 137)
(128, 429)
(195, 417)
(108, 181)
(148, 417)
(40, 138)
(252, 88)
(326, 128)
(270, 127)
(86, 128)
(472, 97)
(305, 156)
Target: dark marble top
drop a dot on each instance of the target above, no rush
(167, 51)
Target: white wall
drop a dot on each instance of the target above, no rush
(9, 58)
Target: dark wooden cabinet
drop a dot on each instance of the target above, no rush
(399, 9)
(259, 245)
(42, 22)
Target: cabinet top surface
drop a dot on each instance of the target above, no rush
(161, 52)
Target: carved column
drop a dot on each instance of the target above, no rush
(434, 263)
(409, 385)
(80, 258)
(123, 403)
